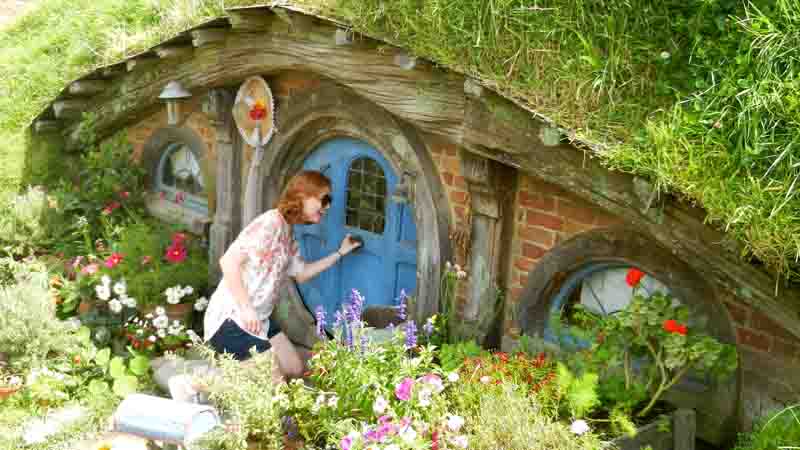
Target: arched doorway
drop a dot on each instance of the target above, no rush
(362, 183)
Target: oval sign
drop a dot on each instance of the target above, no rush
(254, 111)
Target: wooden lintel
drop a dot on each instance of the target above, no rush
(251, 20)
(207, 36)
(174, 51)
(43, 126)
(141, 62)
(68, 109)
(112, 71)
(88, 87)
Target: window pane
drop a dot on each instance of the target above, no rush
(366, 193)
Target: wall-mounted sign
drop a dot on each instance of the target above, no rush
(254, 111)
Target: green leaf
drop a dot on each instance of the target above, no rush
(125, 385)
(102, 357)
(117, 367)
(98, 388)
(140, 365)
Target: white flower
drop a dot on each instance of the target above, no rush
(665, 55)
(160, 311)
(115, 306)
(139, 332)
(425, 397)
(106, 280)
(318, 403)
(161, 333)
(174, 331)
(392, 447)
(459, 441)
(188, 290)
(103, 292)
(152, 338)
(82, 222)
(161, 322)
(130, 302)
(454, 423)
(120, 288)
(380, 405)
(333, 402)
(452, 377)
(579, 427)
(447, 265)
(149, 316)
(173, 297)
(456, 268)
(201, 304)
(485, 379)
(461, 275)
(408, 434)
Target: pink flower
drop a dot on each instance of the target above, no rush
(403, 390)
(90, 269)
(113, 260)
(434, 380)
(179, 238)
(162, 195)
(176, 253)
(77, 262)
(346, 442)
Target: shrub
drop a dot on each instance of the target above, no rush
(778, 430)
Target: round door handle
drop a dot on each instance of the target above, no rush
(358, 239)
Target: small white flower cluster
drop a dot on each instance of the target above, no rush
(455, 268)
(323, 401)
(104, 291)
(162, 325)
(176, 293)
(44, 372)
(201, 304)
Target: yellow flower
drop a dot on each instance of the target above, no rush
(105, 446)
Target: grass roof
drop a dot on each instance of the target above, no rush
(700, 96)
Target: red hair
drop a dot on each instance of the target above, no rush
(307, 183)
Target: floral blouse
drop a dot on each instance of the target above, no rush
(270, 255)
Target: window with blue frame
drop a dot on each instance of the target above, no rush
(590, 293)
(180, 178)
(366, 196)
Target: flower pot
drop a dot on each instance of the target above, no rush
(85, 306)
(181, 312)
(7, 391)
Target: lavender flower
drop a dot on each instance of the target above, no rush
(428, 327)
(402, 300)
(363, 343)
(356, 305)
(348, 337)
(320, 316)
(289, 426)
(411, 334)
(339, 319)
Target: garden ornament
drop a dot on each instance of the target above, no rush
(254, 114)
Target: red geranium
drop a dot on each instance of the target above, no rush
(113, 260)
(634, 276)
(179, 238)
(258, 111)
(176, 253)
(672, 326)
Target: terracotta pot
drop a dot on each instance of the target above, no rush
(85, 306)
(7, 391)
(181, 312)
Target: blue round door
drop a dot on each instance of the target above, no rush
(362, 181)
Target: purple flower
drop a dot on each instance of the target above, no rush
(320, 315)
(403, 390)
(411, 334)
(346, 442)
(348, 336)
(401, 309)
(363, 343)
(290, 426)
(339, 319)
(428, 328)
(356, 305)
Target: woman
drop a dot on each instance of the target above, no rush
(255, 268)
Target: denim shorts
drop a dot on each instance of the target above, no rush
(232, 339)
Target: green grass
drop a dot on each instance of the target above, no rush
(700, 96)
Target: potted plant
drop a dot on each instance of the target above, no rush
(9, 384)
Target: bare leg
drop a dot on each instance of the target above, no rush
(289, 360)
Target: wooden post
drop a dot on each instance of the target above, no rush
(684, 428)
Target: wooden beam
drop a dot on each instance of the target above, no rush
(251, 19)
(206, 36)
(141, 62)
(174, 51)
(88, 88)
(69, 109)
(43, 126)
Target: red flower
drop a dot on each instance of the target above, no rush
(435, 440)
(634, 277)
(113, 260)
(672, 326)
(124, 194)
(179, 238)
(176, 253)
(258, 111)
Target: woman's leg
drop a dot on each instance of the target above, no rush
(289, 361)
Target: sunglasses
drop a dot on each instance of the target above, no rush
(326, 200)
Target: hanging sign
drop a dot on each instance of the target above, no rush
(254, 111)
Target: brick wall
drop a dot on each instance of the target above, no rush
(544, 216)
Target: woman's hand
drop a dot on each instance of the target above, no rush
(249, 318)
(348, 245)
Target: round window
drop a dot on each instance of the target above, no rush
(180, 179)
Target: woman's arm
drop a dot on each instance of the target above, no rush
(313, 269)
(231, 264)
